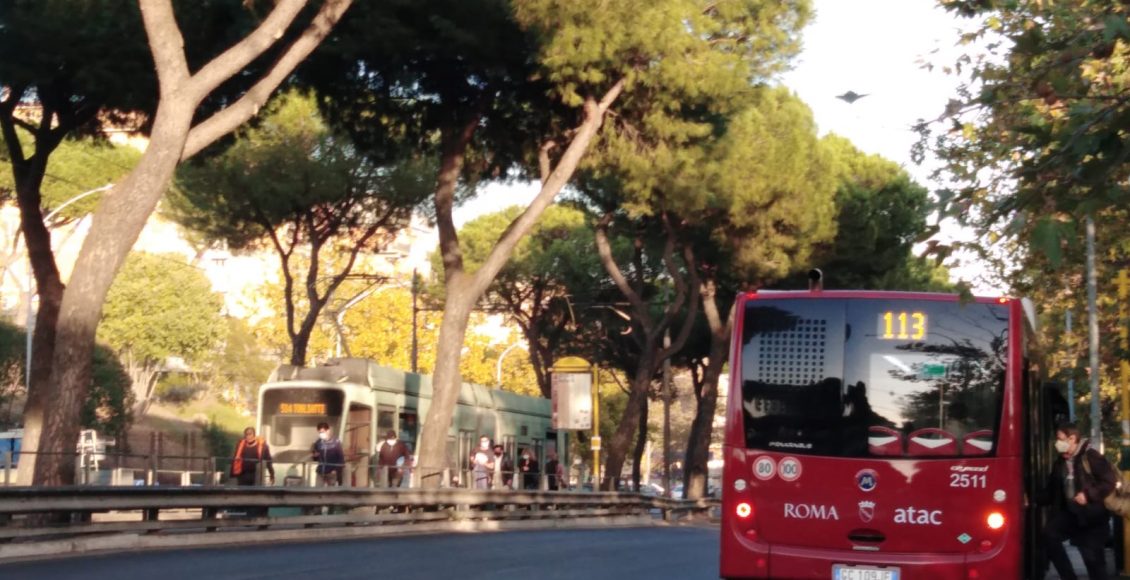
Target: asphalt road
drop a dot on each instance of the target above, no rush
(683, 553)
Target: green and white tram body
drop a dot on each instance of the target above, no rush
(362, 401)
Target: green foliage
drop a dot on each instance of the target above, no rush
(236, 370)
(552, 269)
(287, 168)
(1035, 138)
(773, 183)
(662, 47)
(77, 166)
(220, 442)
(881, 215)
(292, 185)
(160, 306)
(178, 389)
(110, 401)
(108, 408)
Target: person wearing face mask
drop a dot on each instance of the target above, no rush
(391, 456)
(1080, 479)
(503, 467)
(482, 464)
(528, 467)
(329, 454)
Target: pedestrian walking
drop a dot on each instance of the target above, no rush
(1080, 480)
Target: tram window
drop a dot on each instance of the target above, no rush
(408, 430)
(525, 431)
(386, 419)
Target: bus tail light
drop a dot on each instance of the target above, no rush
(995, 521)
(744, 510)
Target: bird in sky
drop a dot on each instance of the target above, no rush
(850, 97)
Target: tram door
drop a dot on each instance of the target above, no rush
(358, 442)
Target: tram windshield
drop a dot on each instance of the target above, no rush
(866, 377)
(291, 417)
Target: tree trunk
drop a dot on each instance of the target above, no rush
(641, 445)
(117, 223)
(622, 438)
(464, 291)
(124, 210)
(696, 473)
(50, 289)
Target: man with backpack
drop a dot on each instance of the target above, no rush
(1080, 481)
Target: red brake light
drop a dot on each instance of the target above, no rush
(744, 510)
(995, 521)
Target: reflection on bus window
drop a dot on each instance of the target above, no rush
(820, 377)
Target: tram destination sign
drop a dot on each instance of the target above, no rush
(572, 400)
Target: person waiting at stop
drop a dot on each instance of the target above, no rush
(329, 454)
(249, 454)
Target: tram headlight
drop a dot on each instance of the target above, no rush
(744, 510)
(995, 521)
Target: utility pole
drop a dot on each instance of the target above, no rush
(1093, 327)
(1071, 376)
(667, 415)
(1124, 387)
(415, 312)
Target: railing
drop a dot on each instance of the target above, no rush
(156, 469)
(31, 517)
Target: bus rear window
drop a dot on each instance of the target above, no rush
(865, 378)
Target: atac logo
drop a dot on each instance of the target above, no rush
(867, 479)
(866, 511)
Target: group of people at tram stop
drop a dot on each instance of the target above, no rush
(491, 468)
(252, 452)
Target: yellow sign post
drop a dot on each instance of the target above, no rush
(1124, 384)
(578, 367)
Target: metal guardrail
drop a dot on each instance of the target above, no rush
(29, 514)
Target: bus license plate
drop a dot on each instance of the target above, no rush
(864, 573)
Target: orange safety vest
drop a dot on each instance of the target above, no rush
(237, 462)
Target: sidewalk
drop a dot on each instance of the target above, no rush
(1080, 570)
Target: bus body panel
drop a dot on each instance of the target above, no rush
(929, 517)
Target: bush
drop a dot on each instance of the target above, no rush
(178, 389)
(220, 442)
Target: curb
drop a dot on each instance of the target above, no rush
(112, 543)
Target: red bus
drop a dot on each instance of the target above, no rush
(884, 436)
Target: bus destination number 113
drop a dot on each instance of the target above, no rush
(902, 325)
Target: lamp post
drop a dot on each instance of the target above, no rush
(415, 312)
(30, 326)
(498, 366)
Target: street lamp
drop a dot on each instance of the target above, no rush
(30, 326)
(498, 366)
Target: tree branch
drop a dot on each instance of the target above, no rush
(167, 45)
(604, 250)
(237, 57)
(234, 115)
